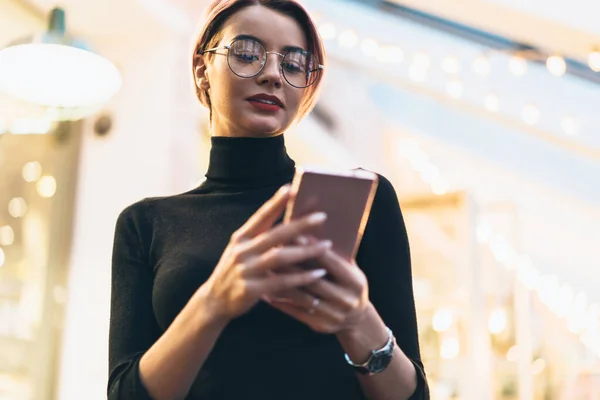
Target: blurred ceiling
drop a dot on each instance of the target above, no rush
(568, 28)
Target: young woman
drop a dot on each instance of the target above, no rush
(206, 301)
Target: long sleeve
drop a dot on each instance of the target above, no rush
(133, 328)
(384, 256)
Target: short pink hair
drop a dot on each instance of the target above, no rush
(221, 10)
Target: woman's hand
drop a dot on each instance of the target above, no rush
(242, 275)
(332, 305)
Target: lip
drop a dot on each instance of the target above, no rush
(268, 97)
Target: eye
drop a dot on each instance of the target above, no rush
(292, 67)
(247, 57)
(294, 62)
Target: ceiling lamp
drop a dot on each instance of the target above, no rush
(56, 70)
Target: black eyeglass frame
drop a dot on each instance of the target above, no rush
(264, 63)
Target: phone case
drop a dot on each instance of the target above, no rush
(346, 196)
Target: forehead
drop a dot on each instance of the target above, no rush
(276, 30)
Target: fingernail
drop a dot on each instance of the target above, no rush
(302, 240)
(324, 244)
(318, 273)
(284, 189)
(317, 218)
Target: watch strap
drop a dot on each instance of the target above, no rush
(378, 359)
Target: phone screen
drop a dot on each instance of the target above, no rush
(345, 196)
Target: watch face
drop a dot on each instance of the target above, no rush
(379, 362)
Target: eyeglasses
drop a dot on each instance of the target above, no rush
(247, 58)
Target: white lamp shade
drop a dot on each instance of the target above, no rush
(57, 75)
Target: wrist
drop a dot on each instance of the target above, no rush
(206, 311)
(369, 333)
(369, 324)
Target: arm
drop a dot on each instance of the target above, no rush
(384, 256)
(143, 364)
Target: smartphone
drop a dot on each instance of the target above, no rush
(345, 196)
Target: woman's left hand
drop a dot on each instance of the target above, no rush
(331, 305)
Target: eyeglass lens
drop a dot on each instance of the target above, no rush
(248, 57)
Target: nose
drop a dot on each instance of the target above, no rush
(271, 73)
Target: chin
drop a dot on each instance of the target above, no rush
(265, 128)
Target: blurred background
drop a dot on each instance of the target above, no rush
(483, 114)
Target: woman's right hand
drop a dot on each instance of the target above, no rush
(244, 272)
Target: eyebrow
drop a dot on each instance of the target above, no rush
(286, 49)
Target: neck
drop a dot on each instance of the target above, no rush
(249, 160)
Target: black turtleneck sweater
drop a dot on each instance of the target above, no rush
(165, 248)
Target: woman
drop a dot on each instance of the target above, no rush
(206, 302)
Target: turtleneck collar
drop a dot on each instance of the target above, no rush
(249, 161)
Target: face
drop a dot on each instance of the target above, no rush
(236, 109)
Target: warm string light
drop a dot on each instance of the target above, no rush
(482, 65)
(32, 171)
(517, 65)
(497, 321)
(46, 186)
(420, 66)
(451, 65)
(556, 65)
(390, 55)
(17, 206)
(422, 60)
(419, 161)
(537, 366)
(327, 31)
(570, 126)
(442, 320)
(7, 235)
(455, 89)
(594, 60)
(348, 39)
(369, 47)
(26, 126)
(450, 347)
(580, 317)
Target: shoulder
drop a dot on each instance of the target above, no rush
(147, 208)
(385, 189)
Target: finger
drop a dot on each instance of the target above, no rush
(341, 270)
(266, 215)
(310, 304)
(284, 256)
(285, 233)
(332, 293)
(323, 289)
(280, 282)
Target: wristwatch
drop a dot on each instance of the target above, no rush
(378, 360)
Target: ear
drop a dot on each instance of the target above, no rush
(201, 75)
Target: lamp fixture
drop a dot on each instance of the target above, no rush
(57, 70)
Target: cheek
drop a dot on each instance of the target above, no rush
(223, 89)
(295, 99)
